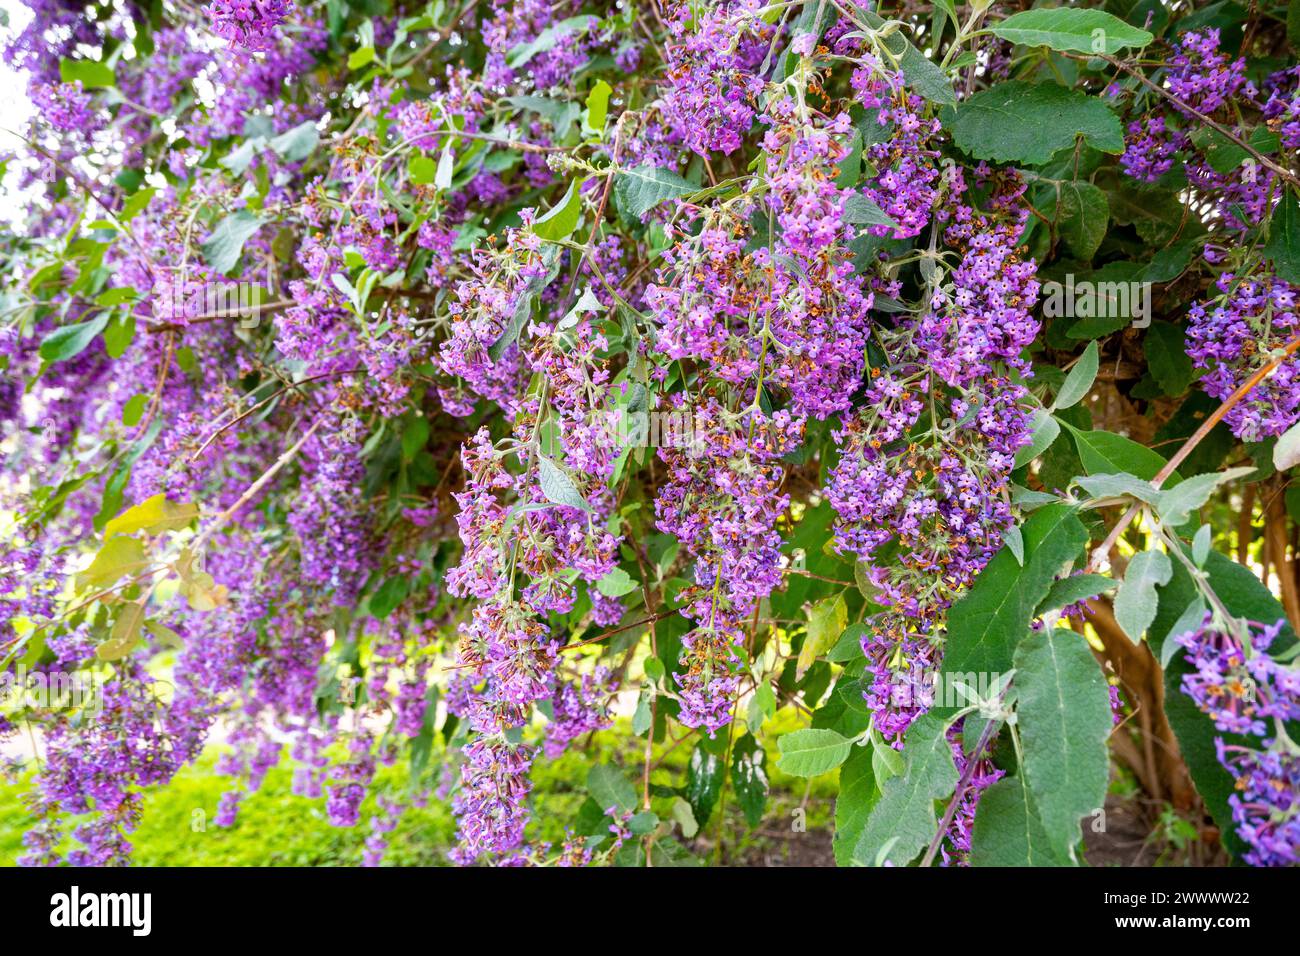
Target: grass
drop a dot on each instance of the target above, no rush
(277, 828)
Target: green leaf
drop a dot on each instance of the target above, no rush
(856, 797)
(360, 57)
(1177, 504)
(68, 341)
(389, 595)
(560, 221)
(1135, 601)
(749, 778)
(90, 73)
(1019, 122)
(118, 557)
(125, 633)
(557, 486)
(414, 436)
(609, 788)
(1191, 619)
(905, 812)
(1045, 431)
(1109, 453)
(812, 751)
(1201, 544)
(639, 190)
(1008, 830)
(1074, 588)
(1079, 380)
(849, 646)
(133, 410)
(118, 334)
(297, 144)
(643, 716)
(1063, 712)
(985, 626)
(1283, 247)
(1118, 486)
(1286, 453)
(222, 249)
(153, 516)
(1083, 213)
(826, 621)
(421, 170)
(685, 817)
(617, 583)
(597, 106)
(1071, 30)
(862, 210)
(1014, 541)
(926, 78)
(546, 40)
(442, 177)
(704, 776)
(1167, 358)
(135, 203)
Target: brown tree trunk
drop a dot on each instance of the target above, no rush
(1154, 757)
(1275, 530)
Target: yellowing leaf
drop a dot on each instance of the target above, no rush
(826, 622)
(164, 633)
(153, 515)
(125, 633)
(119, 557)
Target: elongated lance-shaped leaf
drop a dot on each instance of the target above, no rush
(1063, 712)
(985, 626)
(905, 812)
(1008, 830)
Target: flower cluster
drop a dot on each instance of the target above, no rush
(1239, 333)
(902, 150)
(722, 501)
(712, 81)
(248, 23)
(920, 490)
(1204, 81)
(1242, 689)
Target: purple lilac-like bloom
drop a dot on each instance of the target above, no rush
(933, 492)
(721, 501)
(1150, 148)
(512, 660)
(1282, 109)
(1206, 81)
(483, 308)
(381, 825)
(228, 808)
(711, 81)
(956, 846)
(1236, 334)
(792, 315)
(577, 708)
(906, 184)
(1239, 686)
(1239, 691)
(251, 24)
(65, 106)
(1202, 76)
